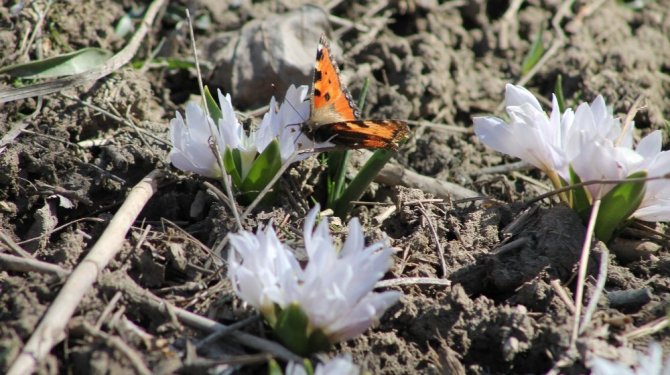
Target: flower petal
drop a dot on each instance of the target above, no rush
(517, 95)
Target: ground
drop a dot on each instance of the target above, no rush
(434, 64)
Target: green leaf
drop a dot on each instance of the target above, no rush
(170, 63)
(62, 65)
(293, 329)
(364, 94)
(558, 91)
(337, 172)
(534, 54)
(262, 171)
(231, 162)
(633, 4)
(307, 364)
(361, 182)
(212, 106)
(273, 368)
(618, 205)
(581, 201)
(318, 341)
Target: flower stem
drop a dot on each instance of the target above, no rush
(362, 180)
(556, 181)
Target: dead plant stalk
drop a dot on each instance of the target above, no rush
(581, 274)
(51, 329)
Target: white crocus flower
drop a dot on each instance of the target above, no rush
(234, 135)
(601, 159)
(334, 290)
(531, 135)
(284, 123)
(548, 142)
(337, 366)
(190, 138)
(655, 205)
(259, 268)
(651, 364)
(191, 151)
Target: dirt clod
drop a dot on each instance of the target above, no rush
(68, 161)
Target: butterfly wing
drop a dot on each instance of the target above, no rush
(363, 133)
(331, 101)
(334, 116)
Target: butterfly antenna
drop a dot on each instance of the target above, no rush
(295, 109)
(299, 125)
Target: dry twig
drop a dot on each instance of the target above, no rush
(509, 19)
(131, 354)
(14, 247)
(22, 264)
(223, 332)
(433, 231)
(225, 177)
(393, 174)
(581, 275)
(600, 286)
(561, 293)
(51, 328)
(11, 135)
(413, 281)
(502, 168)
(649, 328)
(36, 29)
(108, 310)
(119, 281)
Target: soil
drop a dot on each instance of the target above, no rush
(436, 64)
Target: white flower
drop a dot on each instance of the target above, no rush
(190, 142)
(547, 142)
(530, 135)
(234, 136)
(655, 205)
(601, 159)
(336, 366)
(651, 364)
(284, 123)
(334, 289)
(191, 151)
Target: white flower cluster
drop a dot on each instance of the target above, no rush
(336, 366)
(334, 289)
(651, 364)
(191, 136)
(590, 140)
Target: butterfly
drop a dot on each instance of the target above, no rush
(335, 118)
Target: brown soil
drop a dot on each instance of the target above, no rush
(437, 64)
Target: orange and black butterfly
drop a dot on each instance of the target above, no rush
(335, 118)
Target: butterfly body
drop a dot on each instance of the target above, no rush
(335, 118)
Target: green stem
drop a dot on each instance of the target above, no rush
(361, 182)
